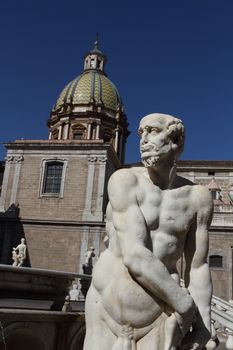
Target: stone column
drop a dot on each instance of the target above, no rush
(18, 160)
(59, 132)
(120, 146)
(83, 248)
(89, 189)
(100, 191)
(96, 242)
(88, 131)
(116, 139)
(66, 131)
(97, 131)
(9, 159)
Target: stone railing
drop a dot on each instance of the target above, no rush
(222, 320)
(223, 208)
(221, 219)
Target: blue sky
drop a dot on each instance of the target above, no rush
(169, 56)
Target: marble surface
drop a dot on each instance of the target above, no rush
(135, 301)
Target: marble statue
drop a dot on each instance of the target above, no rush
(154, 216)
(19, 253)
(67, 307)
(88, 266)
(74, 292)
(90, 254)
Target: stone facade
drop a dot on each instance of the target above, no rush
(221, 230)
(58, 227)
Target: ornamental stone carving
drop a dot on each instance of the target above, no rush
(92, 159)
(102, 159)
(9, 158)
(17, 158)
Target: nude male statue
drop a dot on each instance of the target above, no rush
(90, 254)
(135, 301)
(19, 253)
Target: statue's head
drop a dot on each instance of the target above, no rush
(162, 138)
(23, 240)
(75, 286)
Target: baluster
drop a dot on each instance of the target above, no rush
(211, 345)
(229, 343)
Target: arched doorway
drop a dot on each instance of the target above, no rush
(22, 339)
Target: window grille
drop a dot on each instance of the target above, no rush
(53, 177)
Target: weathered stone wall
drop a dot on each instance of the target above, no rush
(221, 243)
(221, 232)
(35, 205)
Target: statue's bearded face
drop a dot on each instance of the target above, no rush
(156, 144)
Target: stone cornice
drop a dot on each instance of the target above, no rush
(49, 222)
(196, 165)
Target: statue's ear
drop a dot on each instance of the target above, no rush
(174, 146)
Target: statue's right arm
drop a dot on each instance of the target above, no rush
(132, 235)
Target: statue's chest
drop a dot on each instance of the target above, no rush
(169, 210)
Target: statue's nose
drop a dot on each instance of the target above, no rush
(144, 138)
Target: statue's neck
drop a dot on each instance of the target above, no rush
(163, 176)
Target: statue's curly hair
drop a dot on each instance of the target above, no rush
(176, 133)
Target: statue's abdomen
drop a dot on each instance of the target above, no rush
(122, 297)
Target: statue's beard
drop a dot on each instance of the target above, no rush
(153, 156)
(150, 162)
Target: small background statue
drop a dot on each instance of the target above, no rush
(74, 292)
(19, 253)
(87, 270)
(89, 257)
(88, 266)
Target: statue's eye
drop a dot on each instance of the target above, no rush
(155, 130)
(140, 131)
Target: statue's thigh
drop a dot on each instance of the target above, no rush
(155, 339)
(98, 335)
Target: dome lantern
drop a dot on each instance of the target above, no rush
(95, 59)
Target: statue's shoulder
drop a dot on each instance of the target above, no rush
(200, 194)
(123, 178)
(202, 200)
(203, 193)
(122, 188)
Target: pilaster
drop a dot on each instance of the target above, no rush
(18, 161)
(9, 160)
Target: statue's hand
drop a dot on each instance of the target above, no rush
(197, 337)
(188, 316)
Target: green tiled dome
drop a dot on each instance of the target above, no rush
(90, 86)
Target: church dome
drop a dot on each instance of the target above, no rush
(89, 108)
(92, 86)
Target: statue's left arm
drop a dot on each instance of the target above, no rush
(197, 272)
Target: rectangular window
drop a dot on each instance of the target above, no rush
(52, 178)
(215, 261)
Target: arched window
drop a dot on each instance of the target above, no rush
(52, 178)
(78, 135)
(216, 261)
(78, 132)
